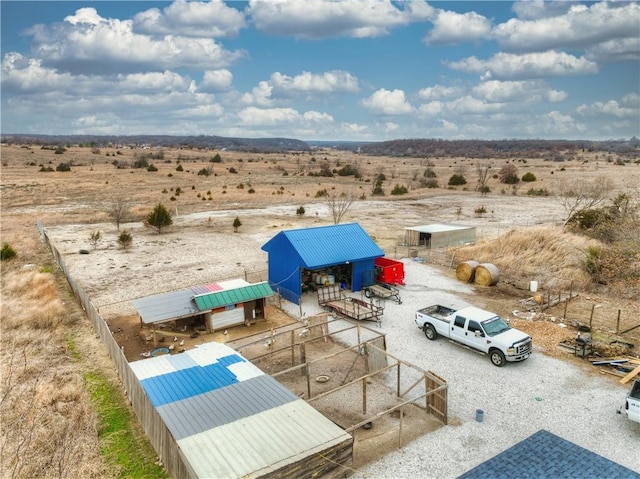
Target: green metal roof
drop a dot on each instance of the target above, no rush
(218, 299)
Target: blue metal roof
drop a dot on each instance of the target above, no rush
(329, 245)
(228, 418)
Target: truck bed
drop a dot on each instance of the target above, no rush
(437, 311)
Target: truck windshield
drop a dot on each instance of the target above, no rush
(495, 326)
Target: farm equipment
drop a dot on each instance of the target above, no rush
(384, 291)
(388, 271)
(330, 297)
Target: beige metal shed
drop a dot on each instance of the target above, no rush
(439, 235)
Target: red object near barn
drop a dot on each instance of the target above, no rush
(389, 271)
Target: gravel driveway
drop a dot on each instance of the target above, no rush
(518, 399)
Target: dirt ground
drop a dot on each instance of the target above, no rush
(264, 192)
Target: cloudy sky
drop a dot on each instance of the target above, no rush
(323, 70)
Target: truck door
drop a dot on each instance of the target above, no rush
(458, 331)
(476, 336)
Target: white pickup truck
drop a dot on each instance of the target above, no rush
(631, 407)
(476, 329)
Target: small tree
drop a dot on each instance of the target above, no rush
(339, 205)
(125, 240)
(457, 180)
(236, 224)
(159, 218)
(508, 174)
(118, 210)
(94, 238)
(483, 171)
(7, 252)
(300, 211)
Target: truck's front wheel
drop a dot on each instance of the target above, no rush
(430, 332)
(497, 358)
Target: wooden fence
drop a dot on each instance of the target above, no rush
(155, 428)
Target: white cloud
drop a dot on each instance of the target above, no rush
(86, 42)
(335, 81)
(623, 49)
(536, 9)
(191, 19)
(473, 106)
(323, 18)
(260, 95)
(448, 126)
(432, 108)
(627, 107)
(452, 27)
(27, 75)
(388, 103)
(528, 65)
(580, 27)
(252, 116)
(216, 80)
(439, 92)
(517, 91)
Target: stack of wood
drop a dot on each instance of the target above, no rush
(625, 367)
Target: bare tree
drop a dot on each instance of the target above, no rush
(483, 171)
(339, 205)
(575, 194)
(118, 210)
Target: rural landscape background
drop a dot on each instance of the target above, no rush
(62, 410)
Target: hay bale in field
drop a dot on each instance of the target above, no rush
(487, 274)
(466, 271)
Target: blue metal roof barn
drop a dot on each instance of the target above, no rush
(230, 420)
(291, 252)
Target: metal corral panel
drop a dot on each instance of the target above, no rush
(222, 298)
(229, 418)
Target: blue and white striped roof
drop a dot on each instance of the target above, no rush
(228, 417)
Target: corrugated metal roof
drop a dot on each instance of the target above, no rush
(181, 304)
(330, 245)
(438, 228)
(228, 417)
(239, 295)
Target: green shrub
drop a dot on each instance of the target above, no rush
(233, 170)
(399, 190)
(529, 177)
(457, 180)
(251, 190)
(7, 252)
(152, 168)
(429, 173)
(349, 170)
(236, 224)
(125, 240)
(179, 168)
(63, 167)
(216, 159)
(205, 171)
(537, 192)
(140, 163)
(45, 169)
(300, 211)
(322, 193)
(431, 183)
(511, 180)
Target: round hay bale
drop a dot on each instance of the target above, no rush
(487, 274)
(466, 271)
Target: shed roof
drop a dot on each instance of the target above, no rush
(182, 304)
(438, 228)
(238, 295)
(327, 245)
(210, 397)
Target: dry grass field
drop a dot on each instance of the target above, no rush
(519, 232)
